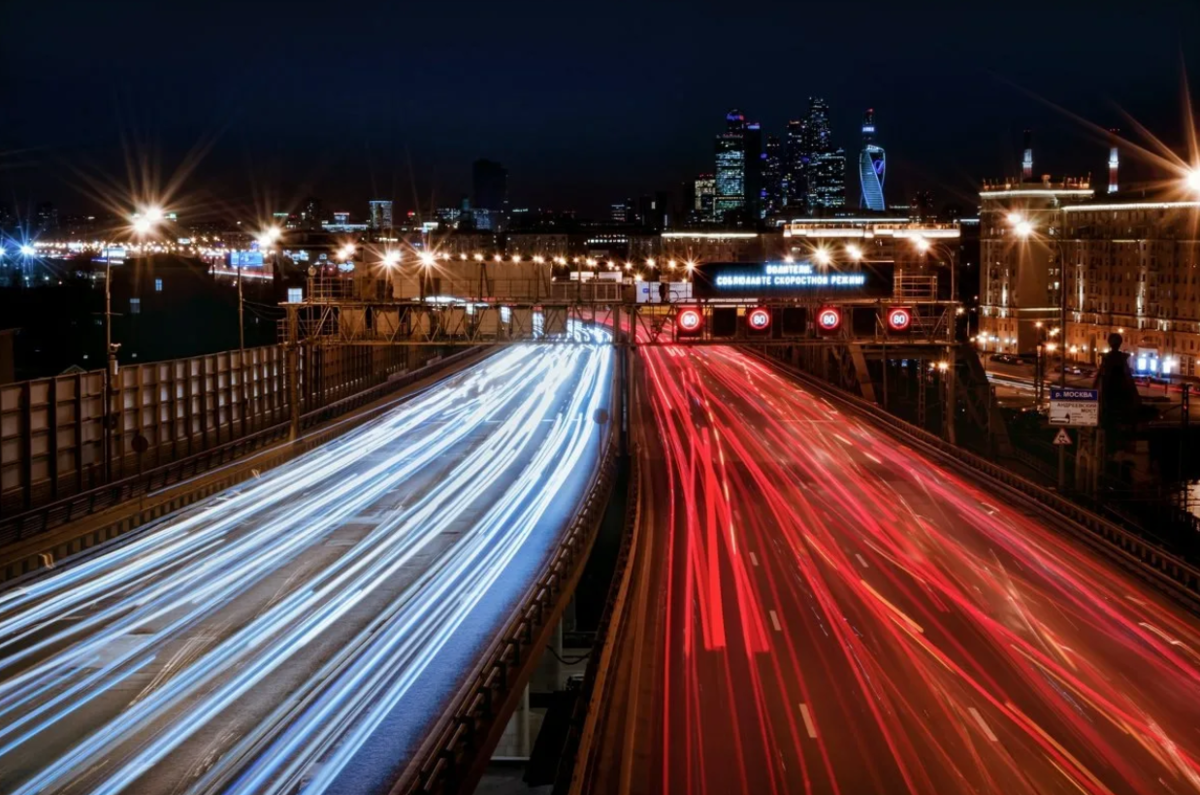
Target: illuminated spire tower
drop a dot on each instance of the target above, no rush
(872, 167)
(1027, 160)
(1113, 161)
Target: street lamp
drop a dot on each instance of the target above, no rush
(822, 257)
(854, 253)
(142, 224)
(427, 261)
(1192, 180)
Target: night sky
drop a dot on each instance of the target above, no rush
(584, 102)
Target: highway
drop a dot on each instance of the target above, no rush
(301, 633)
(813, 607)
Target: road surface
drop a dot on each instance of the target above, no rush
(816, 608)
(303, 632)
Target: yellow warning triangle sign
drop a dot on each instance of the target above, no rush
(1062, 437)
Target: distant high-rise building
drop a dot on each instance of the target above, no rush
(827, 165)
(730, 166)
(754, 170)
(622, 212)
(381, 215)
(1114, 161)
(820, 135)
(738, 167)
(920, 206)
(795, 170)
(312, 213)
(705, 188)
(773, 176)
(827, 185)
(489, 181)
(1027, 158)
(341, 218)
(872, 167)
(653, 211)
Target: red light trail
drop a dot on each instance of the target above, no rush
(818, 608)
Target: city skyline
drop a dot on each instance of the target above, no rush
(577, 135)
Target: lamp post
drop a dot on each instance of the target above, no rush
(143, 225)
(427, 259)
(265, 242)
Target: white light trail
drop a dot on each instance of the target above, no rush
(526, 418)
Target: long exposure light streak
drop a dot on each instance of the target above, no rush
(841, 615)
(257, 643)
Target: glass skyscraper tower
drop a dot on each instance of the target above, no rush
(827, 166)
(730, 166)
(739, 167)
(872, 167)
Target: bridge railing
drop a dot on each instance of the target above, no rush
(453, 755)
(195, 412)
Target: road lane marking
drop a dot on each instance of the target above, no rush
(860, 560)
(775, 621)
(982, 724)
(808, 723)
(753, 558)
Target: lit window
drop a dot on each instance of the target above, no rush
(295, 295)
(135, 306)
(158, 285)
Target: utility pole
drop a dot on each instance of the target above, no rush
(293, 369)
(110, 372)
(241, 315)
(1062, 340)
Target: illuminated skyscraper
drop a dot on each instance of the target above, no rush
(730, 192)
(795, 169)
(773, 180)
(704, 189)
(827, 165)
(739, 168)
(872, 167)
(827, 182)
(1114, 161)
(1027, 158)
(381, 214)
(820, 138)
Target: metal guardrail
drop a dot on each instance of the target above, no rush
(1153, 565)
(449, 759)
(580, 732)
(40, 520)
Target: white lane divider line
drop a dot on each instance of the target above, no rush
(860, 560)
(987, 730)
(808, 722)
(754, 558)
(775, 621)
